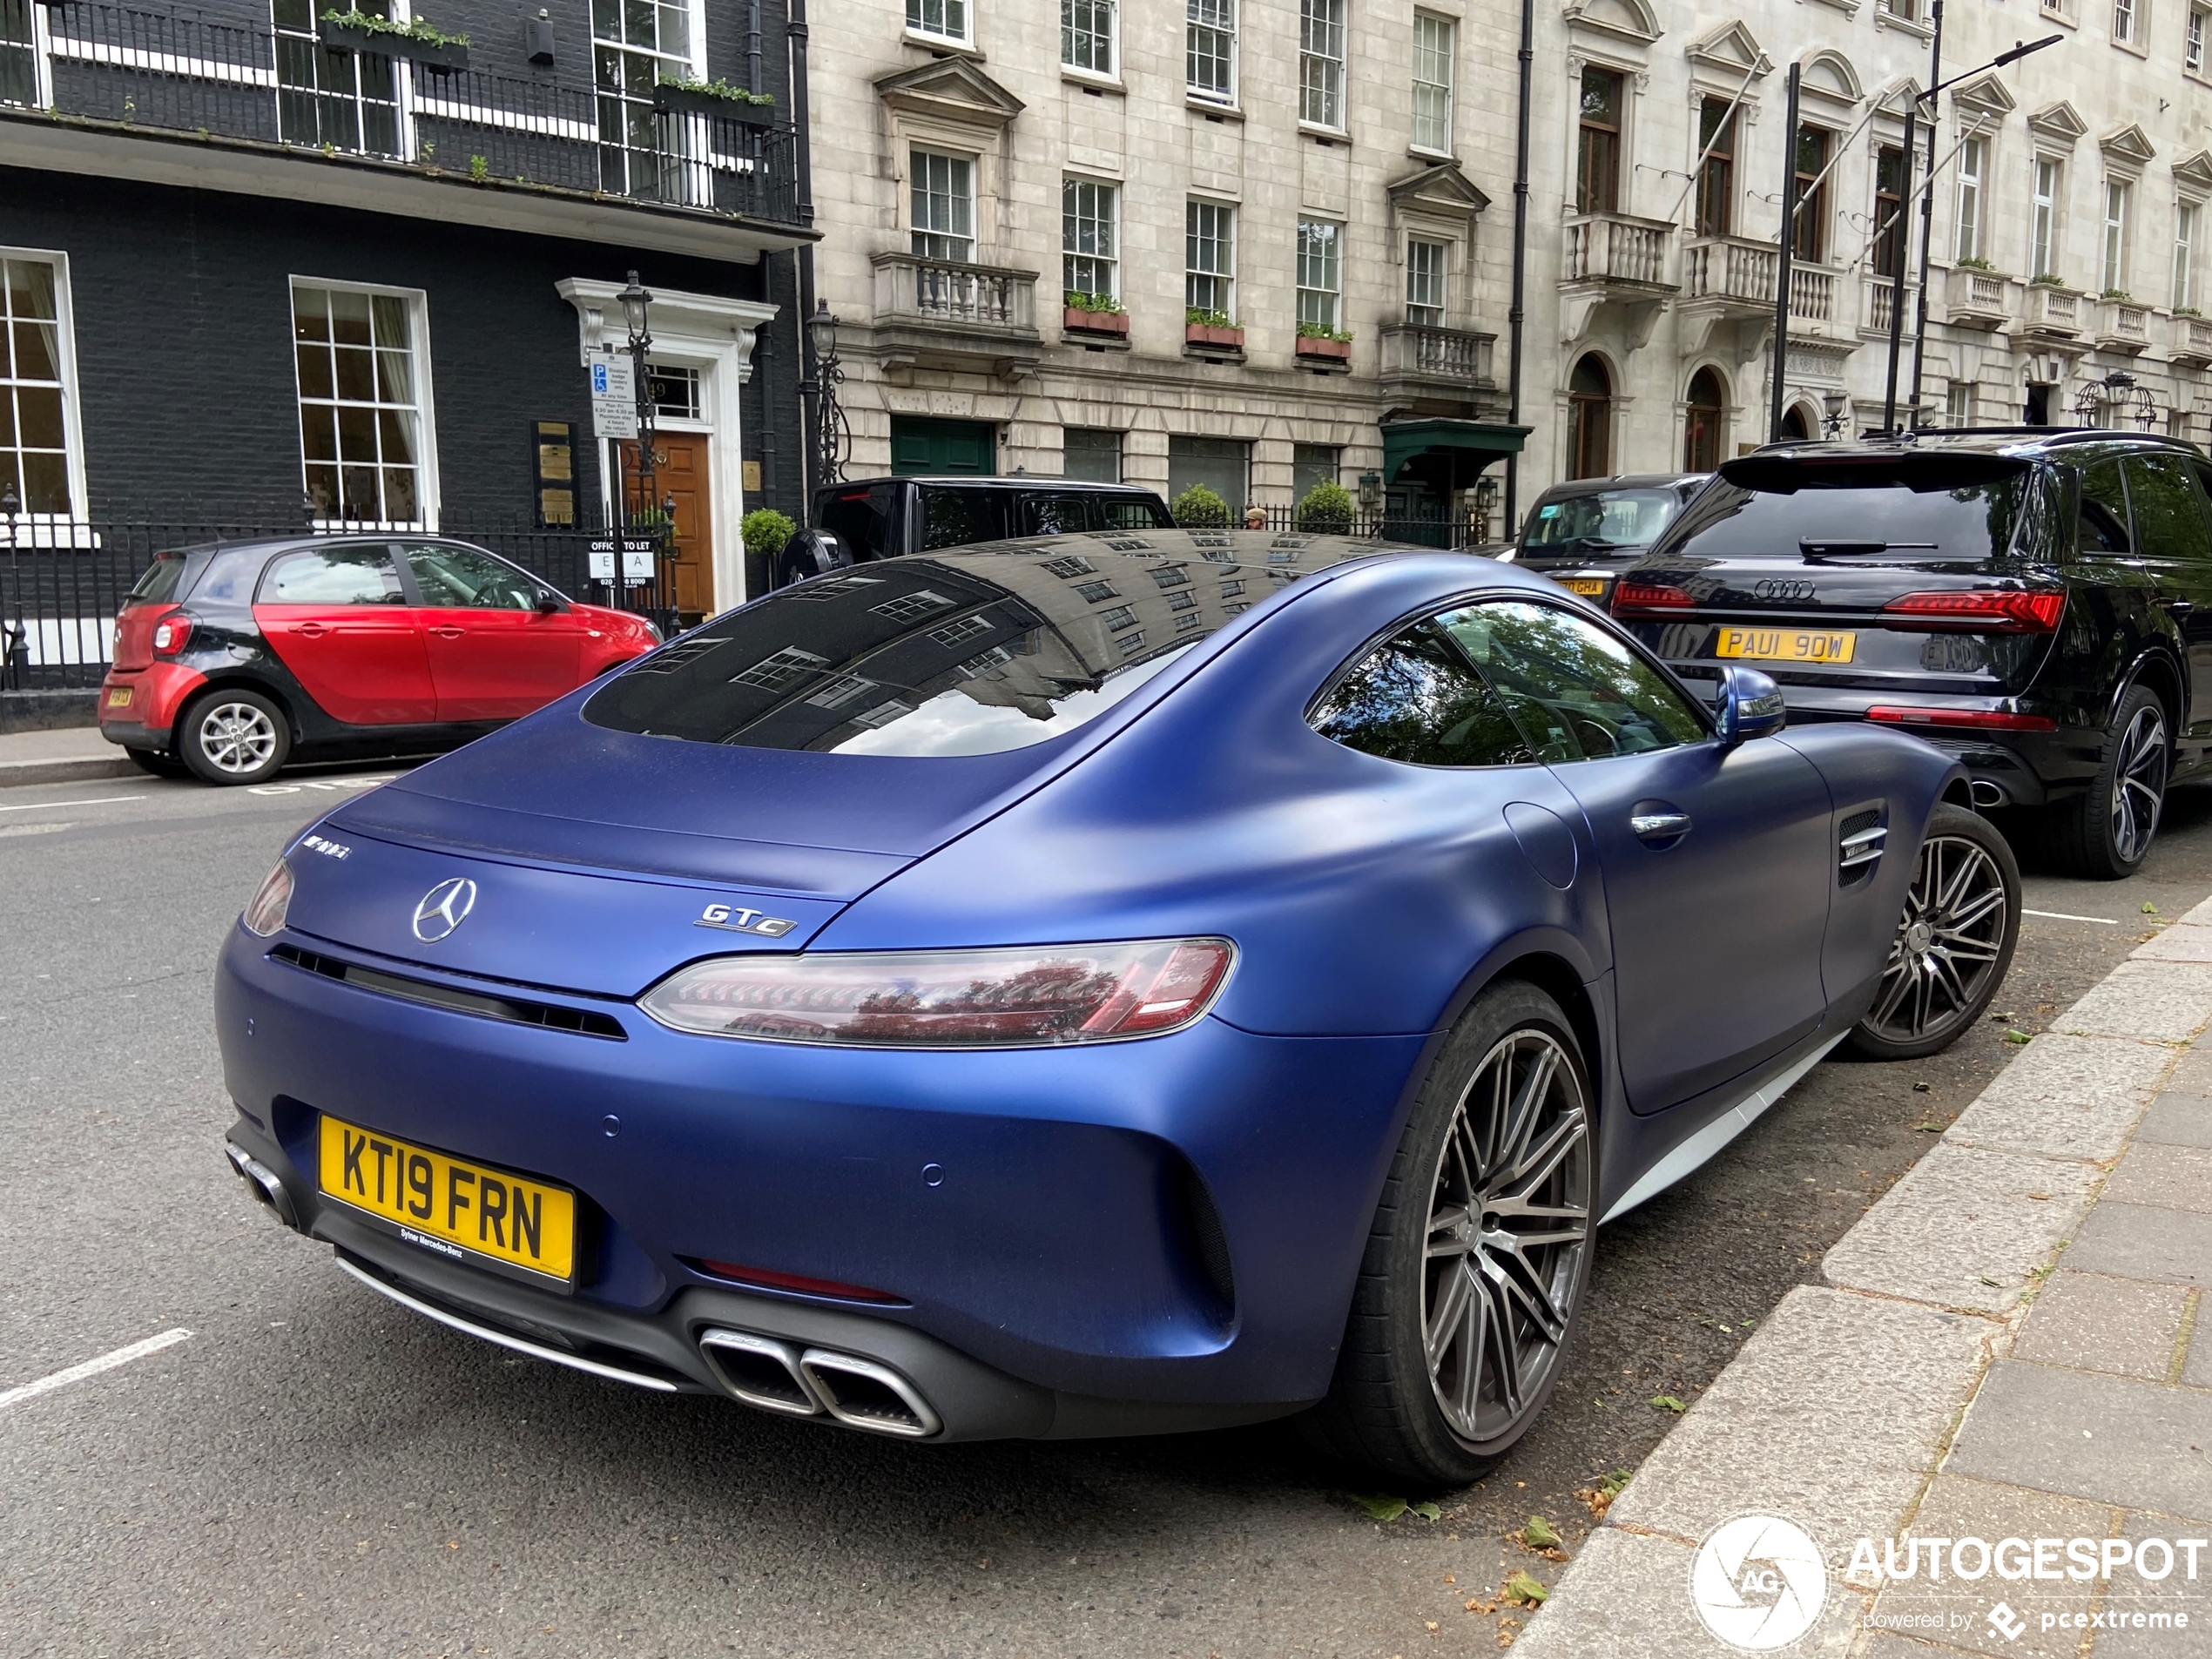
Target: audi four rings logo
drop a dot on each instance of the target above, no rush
(1774, 589)
(443, 908)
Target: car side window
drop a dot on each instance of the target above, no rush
(956, 517)
(333, 575)
(459, 578)
(2169, 523)
(1058, 515)
(2104, 511)
(1578, 693)
(1133, 513)
(1414, 698)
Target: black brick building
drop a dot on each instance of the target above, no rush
(257, 266)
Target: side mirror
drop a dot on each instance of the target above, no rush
(548, 601)
(1749, 705)
(810, 553)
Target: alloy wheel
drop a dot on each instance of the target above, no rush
(2138, 786)
(1509, 1223)
(1948, 944)
(236, 737)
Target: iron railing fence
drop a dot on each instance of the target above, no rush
(176, 71)
(1457, 532)
(62, 583)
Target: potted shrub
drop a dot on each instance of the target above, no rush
(1326, 510)
(2046, 280)
(419, 41)
(1093, 313)
(765, 531)
(1199, 509)
(1211, 329)
(1332, 344)
(716, 98)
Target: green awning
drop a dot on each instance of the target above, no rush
(1467, 446)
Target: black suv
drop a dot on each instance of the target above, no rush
(1584, 533)
(879, 518)
(2036, 602)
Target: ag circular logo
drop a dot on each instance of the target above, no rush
(1758, 1581)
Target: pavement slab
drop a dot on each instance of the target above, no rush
(2112, 1439)
(2180, 943)
(2163, 1001)
(2066, 1096)
(2143, 1241)
(2177, 1120)
(2173, 1595)
(2193, 1074)
(2169, 1177)
(2092, 1322)
(1965, 1228)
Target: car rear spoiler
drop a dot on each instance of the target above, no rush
(1920, 471)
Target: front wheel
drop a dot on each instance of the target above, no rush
(1953, 943)
(2106, 834)
(233, 737)
(1475, 1267)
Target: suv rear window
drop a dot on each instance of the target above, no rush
(1970, 514)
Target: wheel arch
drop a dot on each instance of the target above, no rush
(236, 681)
(2155, 669)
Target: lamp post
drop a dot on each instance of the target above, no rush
(828, 435)
(636, 301)
(2099, 397)
(1831, 413)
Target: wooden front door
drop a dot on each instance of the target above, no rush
(680, 466)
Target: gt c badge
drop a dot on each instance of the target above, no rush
(732, 919)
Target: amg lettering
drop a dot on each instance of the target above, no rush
(454, 1202)
(491, 1212)
(355, 1145)
(527, 1221)
(383, 1150)
(418, 1180)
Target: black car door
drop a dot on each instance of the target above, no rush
(2175, 548)
(1716, 860)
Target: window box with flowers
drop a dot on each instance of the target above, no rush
(419, 41)
(1093, 313)
(1212, 331)
(714, 98)
(1324, 345)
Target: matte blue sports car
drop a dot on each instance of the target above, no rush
(1095, 984)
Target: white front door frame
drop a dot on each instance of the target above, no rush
(704, 331)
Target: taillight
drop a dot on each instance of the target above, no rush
(1030, 996)
(1980, 610)
(265, 915)
(173, 633)
(1634, 598)
(1983, 719)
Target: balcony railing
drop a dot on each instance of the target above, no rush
(2128, 324)
(1880, 293)
(1616, 247)
(1731, 269)
(2056, 311)
(985, 298)
(1418, 351)
(2192, 341)
(176, 72)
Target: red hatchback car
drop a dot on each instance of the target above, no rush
(233, 658)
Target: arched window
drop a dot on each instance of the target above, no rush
(1794, 429)
(1589, 420)
(1701, 427)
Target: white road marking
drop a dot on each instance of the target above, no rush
(2060, 915)
(93, 1367)
(318, 783)
(45, 805)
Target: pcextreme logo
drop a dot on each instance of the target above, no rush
(1758, 1581)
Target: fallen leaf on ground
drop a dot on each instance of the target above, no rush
(1538, 1535)
(1380, 1506)
(1526, 1590)
(1668, 1403)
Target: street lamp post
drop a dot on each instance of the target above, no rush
(636, 301)
(828, 435)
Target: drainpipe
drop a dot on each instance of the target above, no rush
(752, 45)
(1515, 318)
(803, 257)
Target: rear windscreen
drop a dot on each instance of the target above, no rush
(164, 579)
(1615, 518)
(1911, 522)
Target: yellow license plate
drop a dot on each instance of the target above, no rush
(119, 698)
(454, 1208)
(1590, 587)
(1786, 644)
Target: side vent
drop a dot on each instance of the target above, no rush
(1858, 846)
(1208, 1241)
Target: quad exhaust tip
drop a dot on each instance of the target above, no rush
(778, 1376)
(266, 1186)
(1988, 794)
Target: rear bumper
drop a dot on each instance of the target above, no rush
(156, 693)
(1033, 1209)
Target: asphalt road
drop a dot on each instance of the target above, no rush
(314, 1471)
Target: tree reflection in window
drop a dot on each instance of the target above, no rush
(1415, 699)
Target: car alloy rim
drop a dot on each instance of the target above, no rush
(1508, 1223)
(2139, 785)
(1947, 943)
(237, 738)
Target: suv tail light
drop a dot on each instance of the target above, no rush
(173, 633)
(1980, 610)
(1981, 719)
(1634, 598)
(1032, 996)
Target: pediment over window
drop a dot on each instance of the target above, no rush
(1731, 51)
(2129, 143)
(2060, 123)
(1828, 76)
(2196, 170)
(951, 89)
(1897, 97)
(1441, 189)
(1985, 95)
(1624, 19)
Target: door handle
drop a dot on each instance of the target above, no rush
(449, 632)
(309, 629)
(1660, 826)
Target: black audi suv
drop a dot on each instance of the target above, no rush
(2037, 601)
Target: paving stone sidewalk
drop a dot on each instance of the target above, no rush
(2010, 1344)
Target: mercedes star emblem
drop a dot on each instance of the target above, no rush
(443, 908)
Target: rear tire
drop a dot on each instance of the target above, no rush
(2106, 834)
(1953, 944)
(159, 765)
(1476, 1265)
(233, 736)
